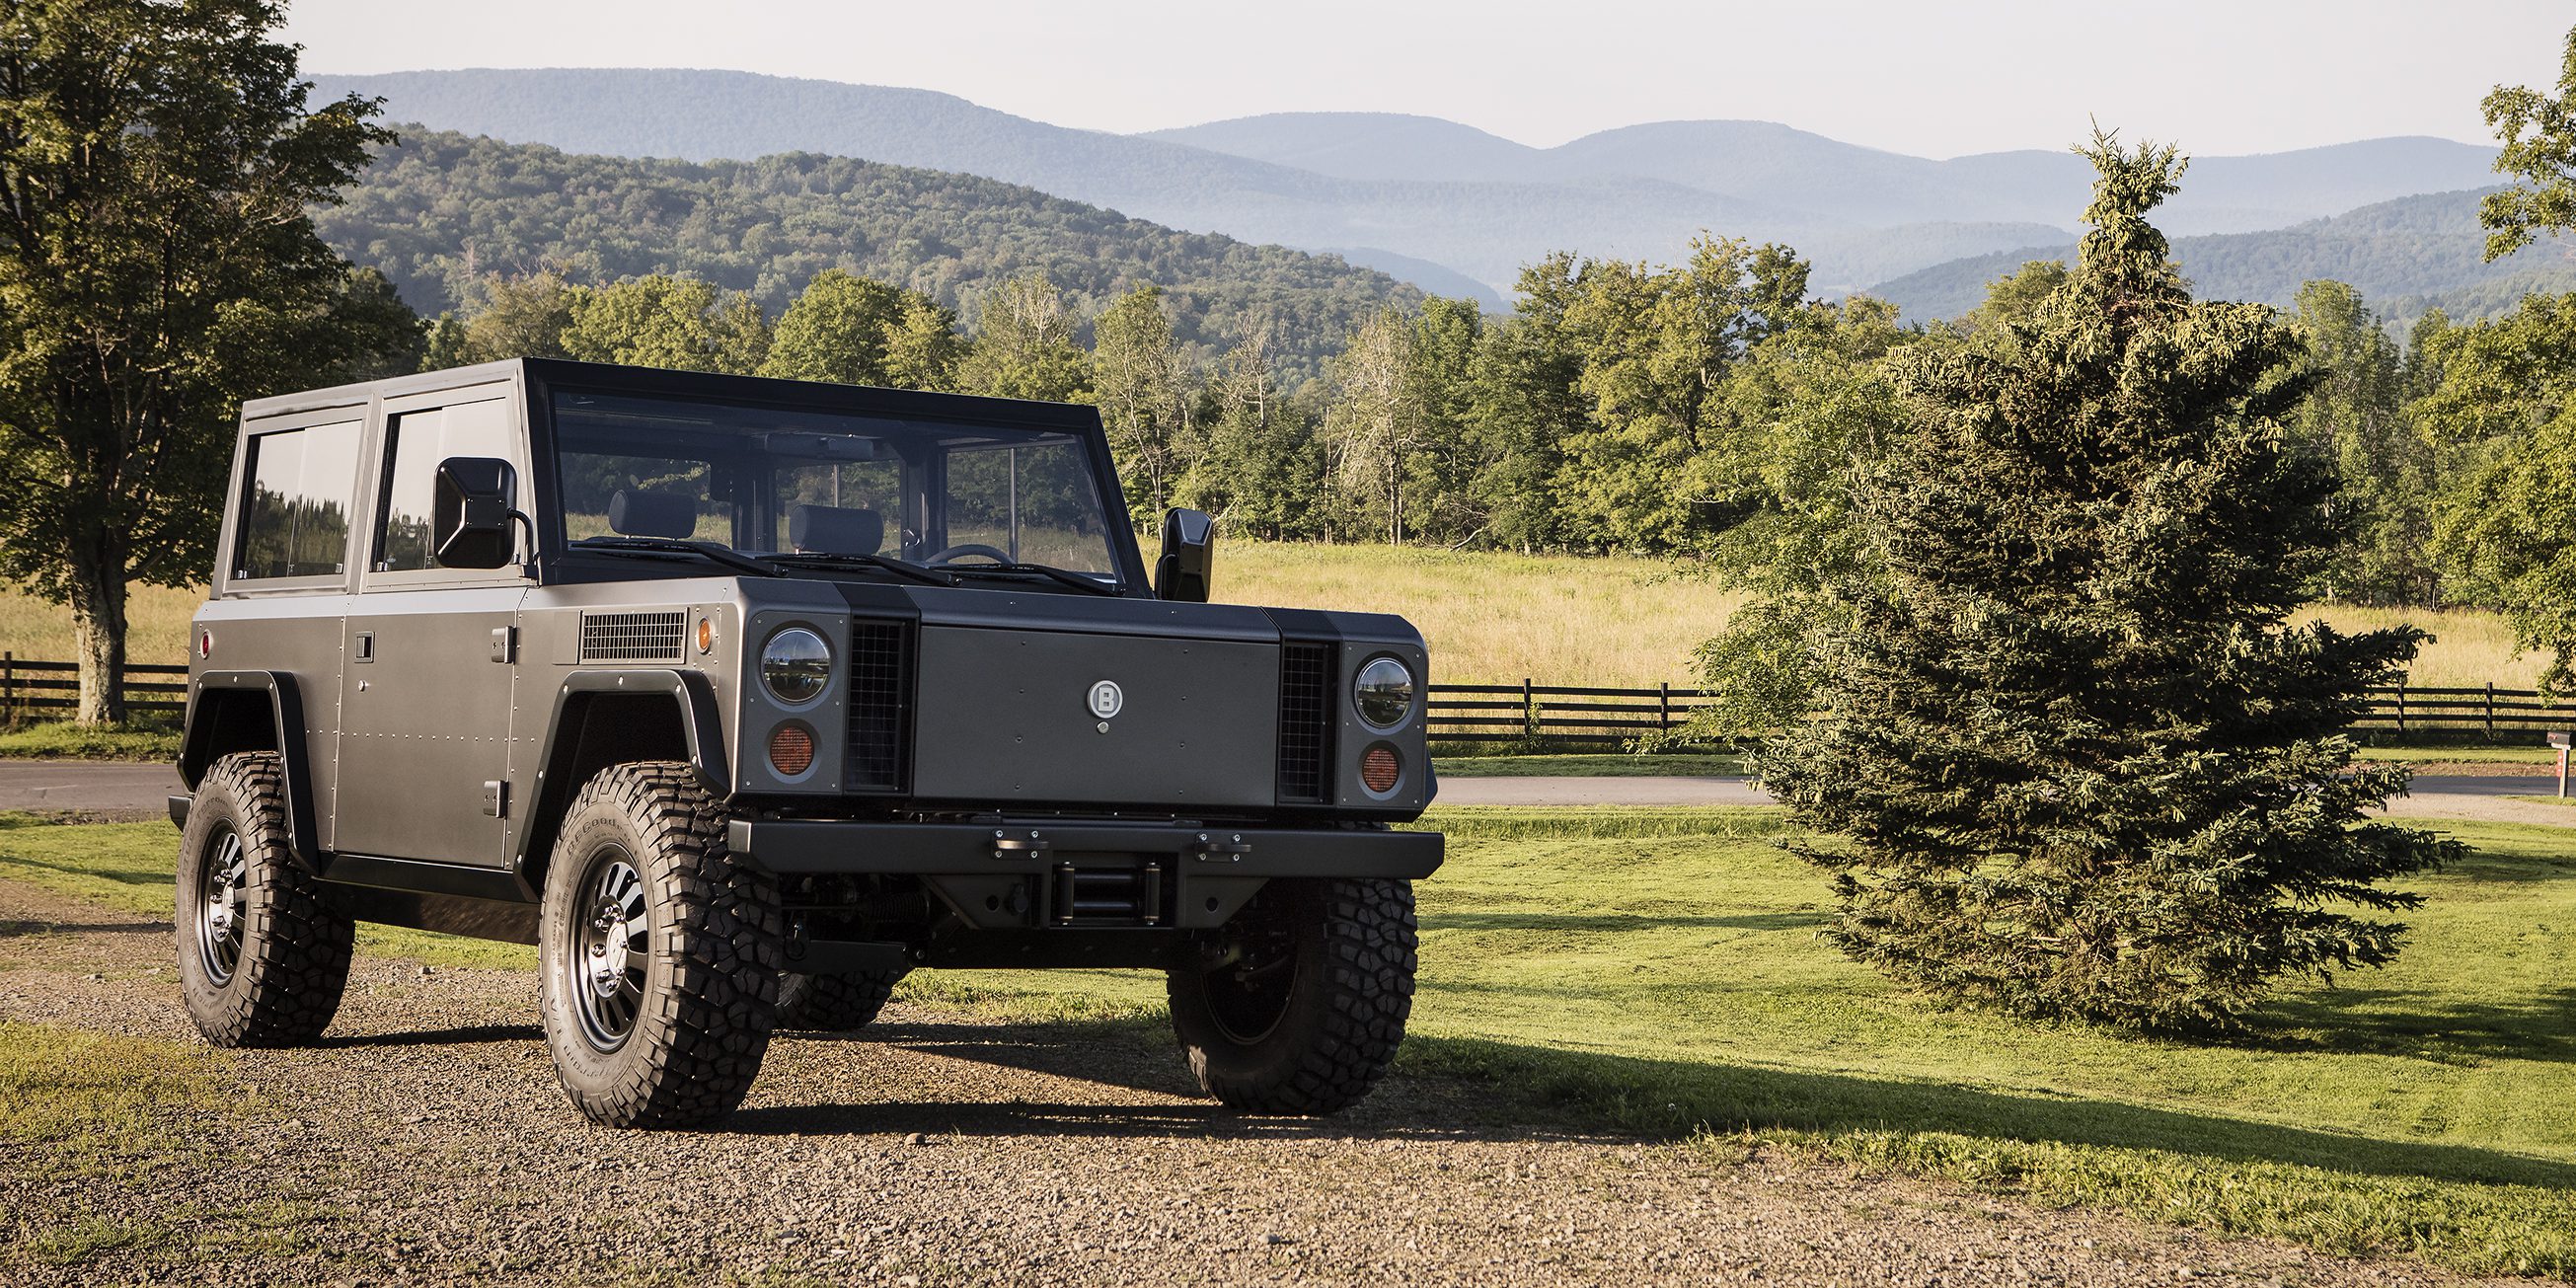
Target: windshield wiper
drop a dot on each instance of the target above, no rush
(708, 550)
(1058, 575)
(849, 559)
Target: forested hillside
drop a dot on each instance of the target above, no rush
(439, 211)
(2411, 255)
(1406, 190)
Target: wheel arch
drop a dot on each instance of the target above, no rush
(604, 718)
(238, 711)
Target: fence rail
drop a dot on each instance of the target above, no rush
(1524, 712)
(1543, 713)
(33, 686)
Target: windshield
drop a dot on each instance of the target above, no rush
(775, 482)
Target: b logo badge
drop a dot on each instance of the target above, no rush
(1106, 699)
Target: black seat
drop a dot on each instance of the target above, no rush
(653, 514)
(831, 529)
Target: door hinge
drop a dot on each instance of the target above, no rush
(496, 798)
(505, 643)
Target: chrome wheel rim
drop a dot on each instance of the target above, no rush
(604, 972)
(223, 905)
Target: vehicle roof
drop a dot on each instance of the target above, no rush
(817, 394)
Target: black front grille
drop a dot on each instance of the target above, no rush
(880, 704)
(1305, 721)
(633, 637)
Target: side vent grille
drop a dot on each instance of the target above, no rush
(633, 637)
(880, 704)
(1305, 721)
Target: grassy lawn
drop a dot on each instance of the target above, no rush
(1656, 970)
(58, 740)
(1491, 618)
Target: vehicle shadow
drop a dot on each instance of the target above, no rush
(462, 1035)
(1461, 1088)
(11, 927)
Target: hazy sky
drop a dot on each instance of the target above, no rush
(1936, 79)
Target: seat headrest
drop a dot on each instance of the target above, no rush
(834, 530)
(653, 514)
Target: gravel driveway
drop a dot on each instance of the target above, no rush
(425, 1141)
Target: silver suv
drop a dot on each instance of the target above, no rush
(741, 698)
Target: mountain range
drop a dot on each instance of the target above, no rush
(1452, 209)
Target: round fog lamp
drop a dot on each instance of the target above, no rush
(791, 750)
(1380, 767)
(796, 666)
(1384, 693)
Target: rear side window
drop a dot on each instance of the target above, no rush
(295, 518)
(416, 441)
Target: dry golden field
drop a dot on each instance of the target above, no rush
(1490, 618)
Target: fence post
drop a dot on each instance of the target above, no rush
(2490, 711)
(1529, 709)
(1664, 706)
(9, 684)
(2401, 708)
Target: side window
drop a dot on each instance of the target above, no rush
(295, 517)
(415, 442)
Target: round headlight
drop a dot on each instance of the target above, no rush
(1384, 693)
(796, 666)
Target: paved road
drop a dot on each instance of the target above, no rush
(87, 786)
(108, 787)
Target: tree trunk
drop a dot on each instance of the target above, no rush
(98, 635)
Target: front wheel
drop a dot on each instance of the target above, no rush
(1298, 1005)
(658, 954)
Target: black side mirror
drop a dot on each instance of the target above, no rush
(1189, 556)
(470, 519)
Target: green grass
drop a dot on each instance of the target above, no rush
(129, 866)
(1657, 971)
(1598, 766)
(62, 740)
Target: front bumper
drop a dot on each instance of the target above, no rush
(797, 846)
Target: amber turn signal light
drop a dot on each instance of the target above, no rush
(1380, 768)
(706, 635)
(791, 750)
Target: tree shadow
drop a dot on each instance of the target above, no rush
(2411, 1023)
(1465, 1088)
(88, 872)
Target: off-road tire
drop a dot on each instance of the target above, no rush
(705, 979)
(835, 1003)
(289, 943)
(1343, 1012)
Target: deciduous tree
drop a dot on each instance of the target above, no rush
(157, 265)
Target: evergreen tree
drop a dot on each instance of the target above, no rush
(2076, 760)
(2356, 418)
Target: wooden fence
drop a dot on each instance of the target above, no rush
(1524, 712)
(30, 688)
(1546, 713)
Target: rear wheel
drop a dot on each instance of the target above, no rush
(835, 1003)
(263, 952)
(1297, 1007)
(658, 954)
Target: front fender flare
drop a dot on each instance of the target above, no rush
(701, 731)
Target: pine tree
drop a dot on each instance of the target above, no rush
(2077, 763)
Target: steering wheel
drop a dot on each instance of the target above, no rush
(953, 553)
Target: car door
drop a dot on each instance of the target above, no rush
(428, 691)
